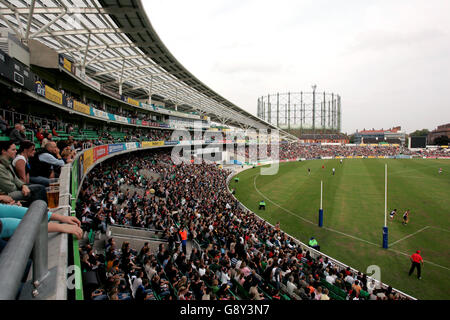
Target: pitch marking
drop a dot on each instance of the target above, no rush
(408, 236)
(339, 232)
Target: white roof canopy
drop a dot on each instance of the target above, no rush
(114, 42)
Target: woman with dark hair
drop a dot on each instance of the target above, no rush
(22, 166)
(10, 184)
(20, 162)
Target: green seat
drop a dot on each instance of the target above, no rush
(240, 289)
(285, 297)
(364, 294)
(334, 296)
(339, 292)
(4, 138)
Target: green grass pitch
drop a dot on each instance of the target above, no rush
(353, 206)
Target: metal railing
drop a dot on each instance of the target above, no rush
(13, 117)
(30, 237)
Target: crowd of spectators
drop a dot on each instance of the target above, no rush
(438, 152)
(296, 150)
(238, 255)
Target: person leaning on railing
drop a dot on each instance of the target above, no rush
(11, 214)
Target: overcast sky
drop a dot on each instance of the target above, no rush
(388, 59)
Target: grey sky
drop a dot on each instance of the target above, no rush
(389, 60)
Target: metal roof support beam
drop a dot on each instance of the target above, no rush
(30, 16)
(101, 61)
(150, 91)
(16, 31)
(121, 74)
(75, 32)
(100, 47)
(85, 54)
(146, 76)
(21, 29)
(46, 26)
(61, 42)
(7, 4)
(95, 57)
(57, 10)
(105, 72)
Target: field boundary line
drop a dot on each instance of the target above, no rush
(437, 228)
(309, 221)
(410, 235)
(343, 233)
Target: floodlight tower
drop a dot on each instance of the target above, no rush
(314, 109)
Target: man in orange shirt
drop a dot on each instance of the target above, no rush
(184, 236)
(416, 262)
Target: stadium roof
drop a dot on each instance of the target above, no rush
(115, 43)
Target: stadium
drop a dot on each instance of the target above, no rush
(124, 177)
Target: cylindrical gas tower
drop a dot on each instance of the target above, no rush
(302, 112)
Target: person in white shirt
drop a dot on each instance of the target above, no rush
(225, 276)
(201, 270)
(349, 279)
(330, 279)
(291, 287)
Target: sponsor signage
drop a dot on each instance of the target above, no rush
(88, 159)
(92, 82)
(53, 95)
(146, 144)
(67, 65)
(112, 148)
(100, 152)
(145, 106)
(40, 88)
(131, 145)
(99, 114)
(81, 107)
(171, 143)
(133, 102)
(121, 119)
(111, 93)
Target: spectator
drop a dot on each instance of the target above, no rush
(4, 126)
(40, 135)
(12, 215)
(324, 295)
(10, 184)
(21, 163)
(17, 135)
(47, 162)
(47, 138)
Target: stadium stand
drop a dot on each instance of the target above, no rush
(237, 256)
